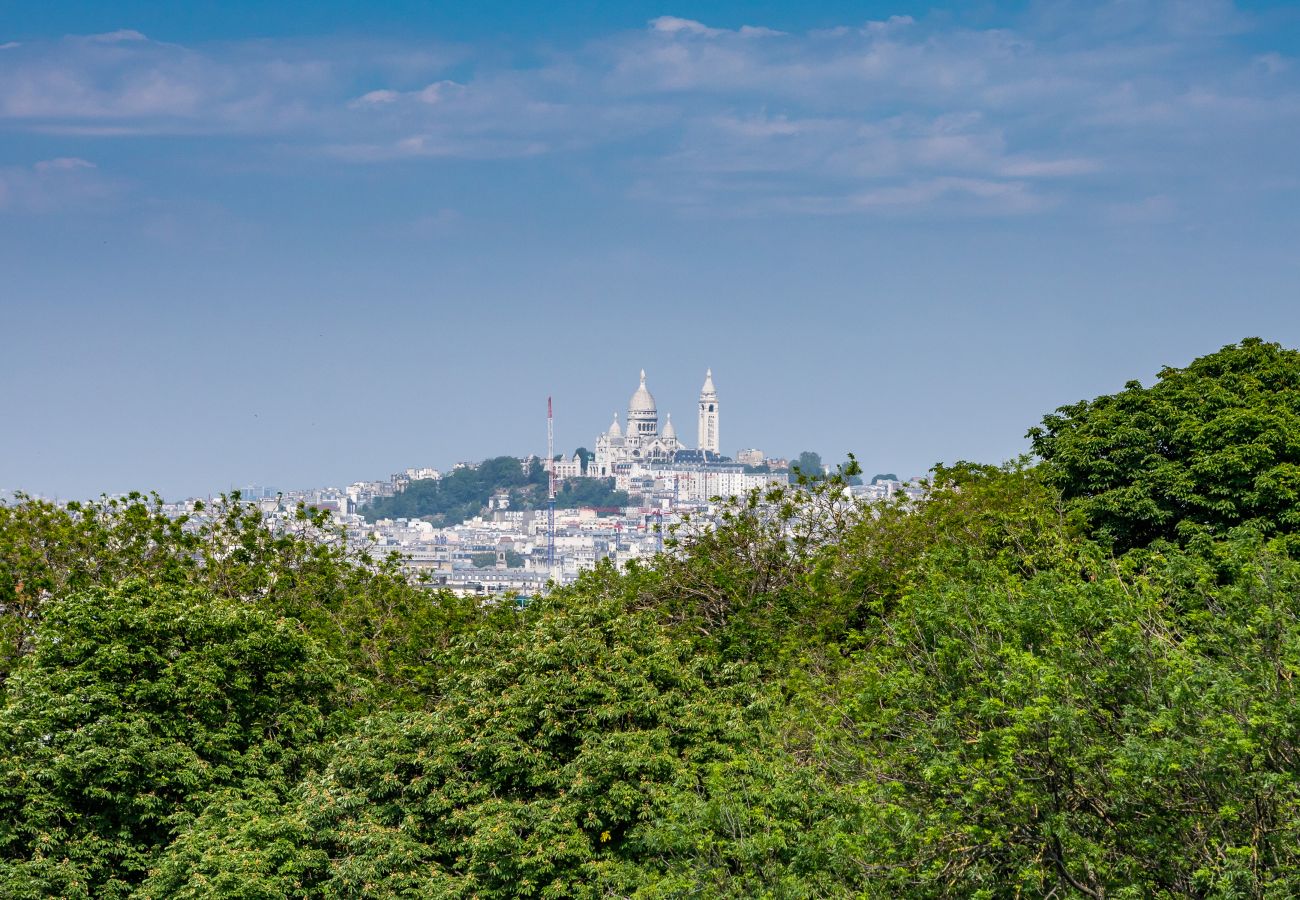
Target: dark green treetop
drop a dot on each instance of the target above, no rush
(1205, 449)
(809, 464)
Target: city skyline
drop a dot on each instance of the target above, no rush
(252, 243)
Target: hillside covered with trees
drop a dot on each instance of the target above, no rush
(463, 493)
(1072, 675)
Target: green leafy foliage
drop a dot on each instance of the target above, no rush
(1209, 447)
(1076, 730)
(134, 706)
(588, 751)
(362, 610)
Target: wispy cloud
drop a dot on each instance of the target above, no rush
(116, 37)
(675, 25)
(124, 83)
(973, 194)
(54, 185)
(867, 117)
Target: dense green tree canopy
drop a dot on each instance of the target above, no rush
(134, 706)
(590, 753)
(462, 493)
(362, 610)
(1207, 448)
(591, 492)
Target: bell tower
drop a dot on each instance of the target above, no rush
(708, 432)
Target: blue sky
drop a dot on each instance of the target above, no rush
(305, 244)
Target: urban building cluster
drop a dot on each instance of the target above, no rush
(505, 550)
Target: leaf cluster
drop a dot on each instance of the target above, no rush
(1208, 448)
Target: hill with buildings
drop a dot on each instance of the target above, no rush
(626, 462)
(504, 482)
(464, 491)
(1069, 675)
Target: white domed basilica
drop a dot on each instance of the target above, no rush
(617, 450)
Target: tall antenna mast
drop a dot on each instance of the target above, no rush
(550, 505)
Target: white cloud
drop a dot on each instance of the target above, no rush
(965, 194)
(147, 87)
(440, 91)
(116, 37)
(892, 24)
(54, 185)
(10, 45)
(896, 114)
(1049, 168)
(63, 163)
(376, 98)
(758, 31)
(438, 146)
(675, 25)
(760, 126)
(1272, 63)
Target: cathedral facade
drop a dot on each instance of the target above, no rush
(642, 441)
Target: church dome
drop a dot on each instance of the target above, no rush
(642, 401)
(614, 429)
(670, 433)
